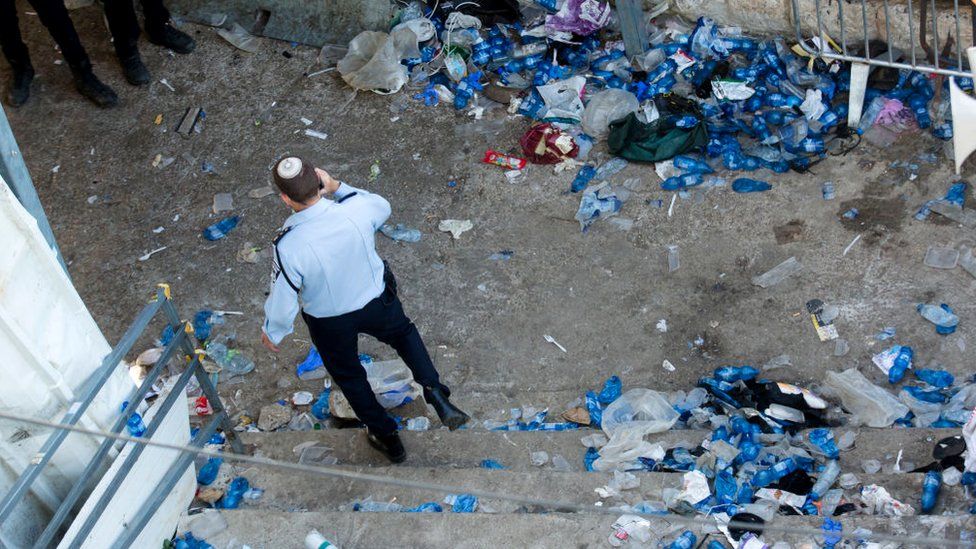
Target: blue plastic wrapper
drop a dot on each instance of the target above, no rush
(235, 491)
(208, 473)
(190, 542)
(201, 325)
(831, 528)
(611, 390)
(593, 407)
(491, 464)
(320, 410)
(464, 503)
(312, 362)
(429, 507)
(592, 454)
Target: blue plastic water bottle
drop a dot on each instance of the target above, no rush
(686, 540)
(583, 178)
(934, 396)
(935, 378)
(902, 362)
(930, 490)
(136, 426)
(920, 106)
(731, 374)
(746, 185)
(824, 440)
(770, 475)
(220, 229)
(235, 491)
(825, 480)
(679, 182)
(208, 473)
(691, 165)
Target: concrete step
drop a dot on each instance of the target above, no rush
(262, 529)
(292, 491)
(467, 448)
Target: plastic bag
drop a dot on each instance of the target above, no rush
(640, 410)
(659, 140)
(392, 383)
(562, 98)
(373, 60)
(969, 435)
(624, 448)
(605, 107)
(544, 144)
(582, 17)
(874, 406)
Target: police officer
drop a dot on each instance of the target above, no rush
(326, 265)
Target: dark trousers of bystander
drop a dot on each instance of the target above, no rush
(54, 16)
(124, 25)
(337, 340)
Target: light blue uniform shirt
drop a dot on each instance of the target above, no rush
(325, 260)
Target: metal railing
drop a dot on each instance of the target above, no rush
(925, 52)
(180, 345)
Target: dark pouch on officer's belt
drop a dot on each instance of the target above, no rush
(389, 279)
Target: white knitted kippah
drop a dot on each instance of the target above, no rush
(289, 167)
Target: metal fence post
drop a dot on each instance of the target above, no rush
(14, 172)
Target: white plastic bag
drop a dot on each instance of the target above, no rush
(373, 60)
(874, 406)
(563, 98)
(605, 107)
(392, 383)
(624, 448)
(969, 435)
(641, 410)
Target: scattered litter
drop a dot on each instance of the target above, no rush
(667, 365)
(261, 192)
(168, 86)
(456, 227)
(240, 38)
(941, 257)
(662, 326)
(189, 121)
(302, 398)
(316, 134)
(223, 202)
(421, 423)
(851, 245)
(400, 233)
(778, 273)
(539, 458)
(147, 255)
(552, 340)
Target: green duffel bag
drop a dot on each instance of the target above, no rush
(660, 140)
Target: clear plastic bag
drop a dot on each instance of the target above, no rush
(623, 450)
(874, 406)
(563, 98)
(392, 383)
(641, 410)
(373, 60)
(605, 107)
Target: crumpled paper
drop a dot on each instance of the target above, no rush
(456, 227)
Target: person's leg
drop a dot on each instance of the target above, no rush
(385, 320)
(161, 32)
(124, 26)
(54, 16)
(16, 53)
(337, 343)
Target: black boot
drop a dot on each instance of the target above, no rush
(168, 37)
(91, 87)
(134, 69)
(450, 415)
(19, 92)
(389, 445)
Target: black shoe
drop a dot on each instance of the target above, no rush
(19, 90)
(450, 415)
(135, 70)
(91, 87)
(168, 37)
(389, 445)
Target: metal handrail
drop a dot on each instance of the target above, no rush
(952, 65)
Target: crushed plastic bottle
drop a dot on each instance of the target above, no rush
(687, 540)
(931, 487)
(400, 233)
(231, 361)
(936, 378)
(315, 540)
(235, 491)
(823, 440)
(208, 473)
(583, 178)
(221, 228)
(731, 374)
(942, 316)
(826, 479)
(746, 185)
(765, 477)
(610, 168)
(421, 423)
